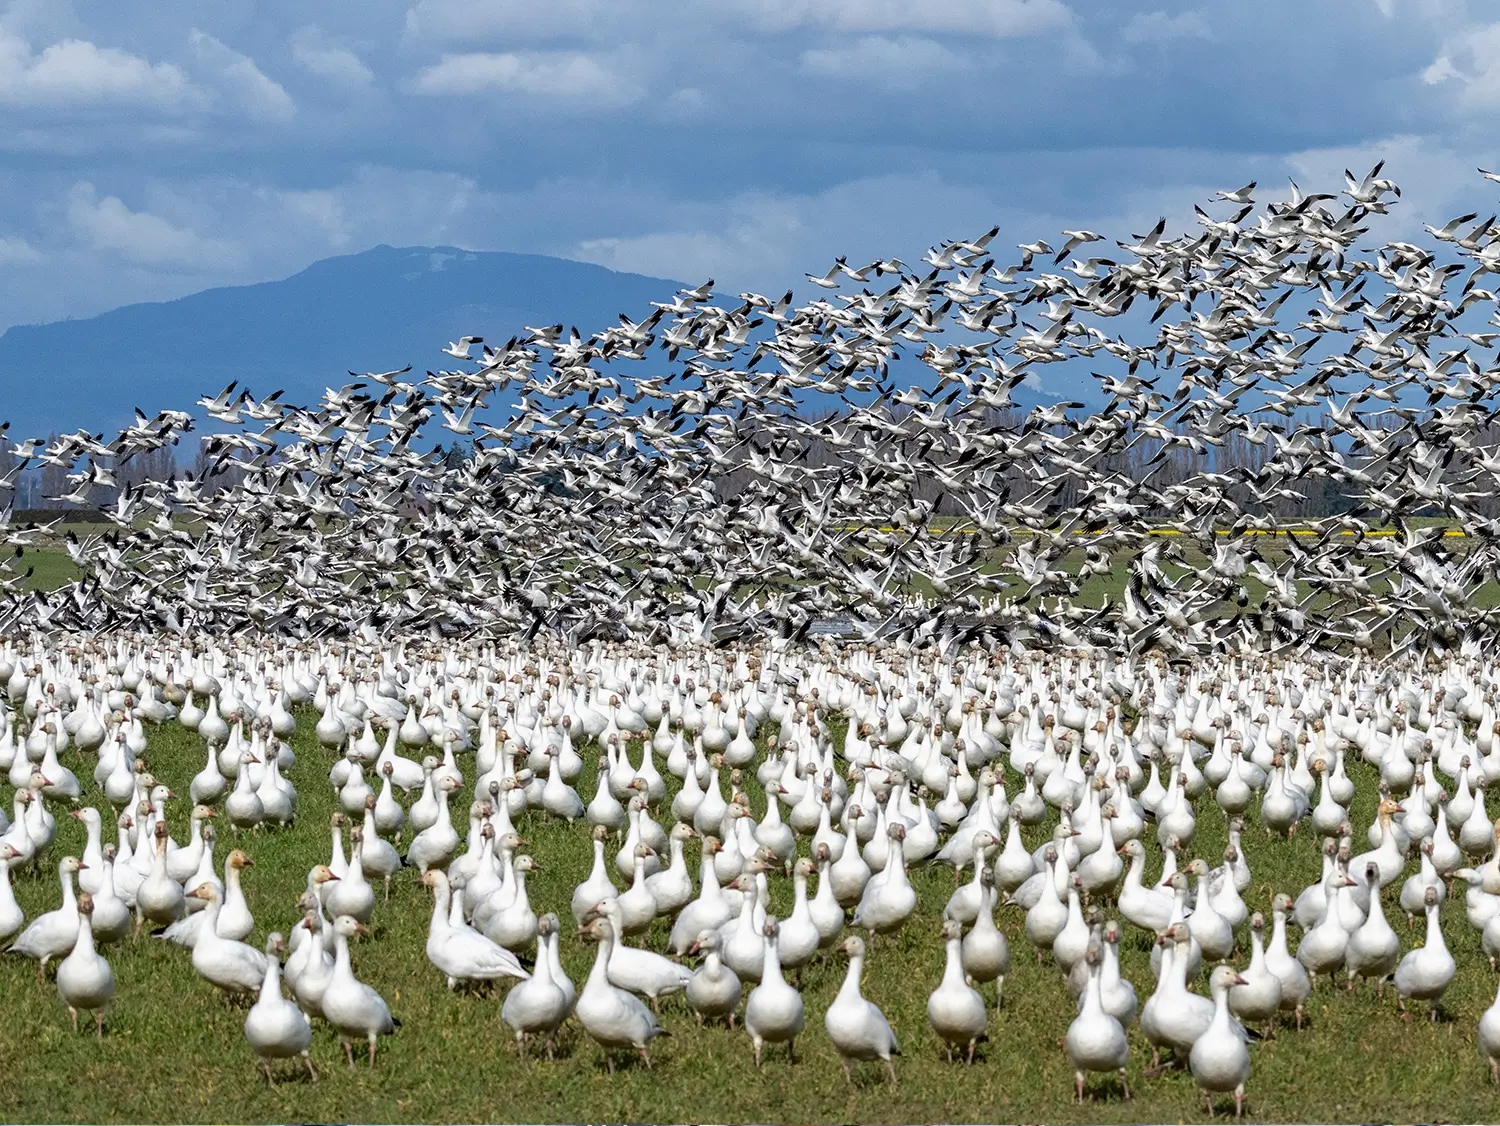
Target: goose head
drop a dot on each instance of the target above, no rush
(239, 860)
(853, 945)
(349, 926)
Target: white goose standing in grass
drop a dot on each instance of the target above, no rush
(1095, 1040)
(537, 1005)
(84, 979)
(955, 1009)
(463, 954)
(715, 989)
(225, 963)
(614, 1018)
(351, 1006)
(52, 935)
(855, 1024)
(276, 1028)
(774, 1012)
(643, 972)
(1425, 972)
(1220, 1059)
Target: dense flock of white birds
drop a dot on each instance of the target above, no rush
(728, 469)
(941, 761)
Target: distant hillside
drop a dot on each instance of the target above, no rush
(374, 311)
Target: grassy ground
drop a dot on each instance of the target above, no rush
(174, 1051)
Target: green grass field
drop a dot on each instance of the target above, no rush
(174, 1051)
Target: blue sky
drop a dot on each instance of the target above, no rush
(155, 149)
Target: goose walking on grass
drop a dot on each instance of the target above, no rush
(351, 1006)
(84, 979)
(276, 1028)
(856, 1025)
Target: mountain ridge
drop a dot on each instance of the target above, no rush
(375, 310)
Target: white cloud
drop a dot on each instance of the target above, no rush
(17, 252)
(75, 72)
(242, 81)
(565, 75)
(1441, 70)
(1001, 19)
(315, 52)
(463, 21)
(902, 63)
(1159, 27)
(141, 237)
(1472, 57)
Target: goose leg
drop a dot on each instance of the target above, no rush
(1239, 1101)
(1124, 1086)
(372, 1049)
(269, 1077)
(757, 1051)
(848, 1078)
(307, 1059)
(1078, 1087)
(99, 1023)
(890, 1069)
(646, 1056)
(73, 1015)
(349, 1052)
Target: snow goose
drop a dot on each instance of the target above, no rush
(111, 919)
(1373, 948)
(11, 915)
(54, 934)
(640, 971)
(226, 964)
(671, 889)
(774, 1010)
(276, 1028)
(1116, 994)
(856, 1025)
(715, 989)
(1259, 999)
(435, 845)
(598, 886)
(461, 953)
(799, 938)
(955, 1009)
(351, 1006)
(1489, 1038)
(537, 1005)
(514, 925)
(1322, 948)
(1424, 973)
(888, 903)
(378, 857)
(613, 1017)
(986, 954)
(84, 979)
(1296, 987)
(1220, 1059)
(709, 911)
(1148, 908)
(637, 904)
(352, 894)
(235, 920)
(1095, 1039)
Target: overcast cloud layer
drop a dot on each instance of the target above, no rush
(155, 149)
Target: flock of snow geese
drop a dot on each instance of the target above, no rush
(1022, 773)
(761, 561)
(723, 472)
